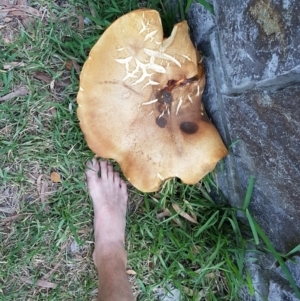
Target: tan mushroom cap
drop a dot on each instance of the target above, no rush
(140, 103)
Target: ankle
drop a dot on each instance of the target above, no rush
(108, 253)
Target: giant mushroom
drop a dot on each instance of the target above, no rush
(139, 103)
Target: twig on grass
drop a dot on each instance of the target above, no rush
(22, 91)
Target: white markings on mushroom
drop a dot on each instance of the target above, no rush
(81, 89)
(144, 67)
(185, 56)
(150, 35)
(151, 113)
(169, 112)
(161, 115)
(150, 82)
(161, 55)
(198, 91)
(144, 27)
(159, 176)
(190, 99)
(124, 61)
(179, 105)
(140, 72)
(149, 102)
(167, 42)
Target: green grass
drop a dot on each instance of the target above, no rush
(52, 239)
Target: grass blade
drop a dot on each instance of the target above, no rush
(296, 249)
(279, 259)
(248, 193)
(252, 226)
(211, 221)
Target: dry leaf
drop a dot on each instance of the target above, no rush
(196, 250)
(49, 274)
(164, 213)
(52, 110)
(72, 63)
(183, 214)
(41, 283)
(10, 218)
(52, 82)
(63, 83)
(177, 221)
(55, 177)
(210, 275)
(151, 265)
(194, 216)
(11, 65)
(22, 2)
(22, 91)
(84, 230)
(69, 65)
(8, 210)
(6, 130)
(5, 39)
(76, 66)
(42, 76)
(167, 212)
(26, 13)
(21, 10)
(130, 272)
(5, 3)
(80, 23)
(188, 291)
(7, 20)
(42, 187)
(92, 10)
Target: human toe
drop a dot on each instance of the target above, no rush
(103, 169)
(92, 168)
(110, 171)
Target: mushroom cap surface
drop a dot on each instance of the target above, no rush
(139, 103)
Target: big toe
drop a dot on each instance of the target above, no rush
(92, 169)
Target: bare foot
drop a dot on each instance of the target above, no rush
(109, 194)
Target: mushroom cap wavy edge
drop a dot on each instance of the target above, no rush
(139, 103)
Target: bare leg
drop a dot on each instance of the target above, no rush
(109, 195)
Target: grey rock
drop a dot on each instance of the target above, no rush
(200, 33)
(252, 59)
(260, 277)
(268, 126)
(280, 291)
(259, 40)
(265, 119)
(294, 267)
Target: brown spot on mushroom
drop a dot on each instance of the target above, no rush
(165, 96)
(189, 127)
(142, 106)
(161, 122)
